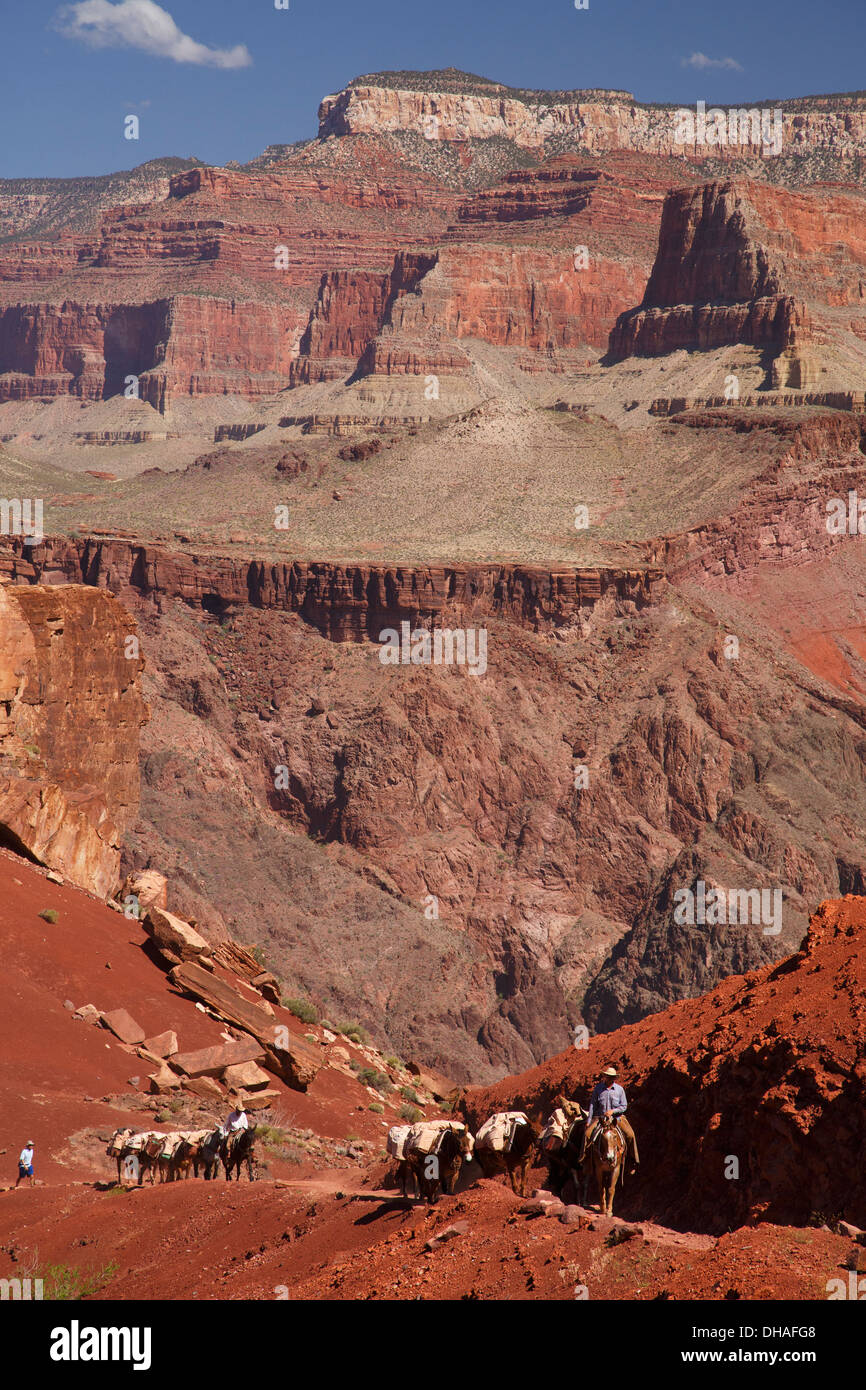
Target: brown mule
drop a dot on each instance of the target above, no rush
(608, 1160)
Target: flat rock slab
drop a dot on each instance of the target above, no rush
(245, 1076)
(261, 1100)
(162, 1044)
(123, 1026)
(225, 1000)
(204, 1087)
(212, 1061)
(295, 1061)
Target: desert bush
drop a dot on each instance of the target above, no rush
(302, 1009)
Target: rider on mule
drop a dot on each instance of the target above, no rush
(236, 1121)
(608, 1098)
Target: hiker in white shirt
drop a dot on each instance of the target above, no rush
(25, 1163)
(237, 1120)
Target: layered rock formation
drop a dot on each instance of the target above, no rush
(454, 106)
(72, 709)
(747, 263)
(345, 602)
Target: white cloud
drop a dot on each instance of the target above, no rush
(145, 25)
(700, 60)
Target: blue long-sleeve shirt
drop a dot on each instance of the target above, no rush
(607, 1100)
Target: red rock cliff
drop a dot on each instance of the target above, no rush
(70, 713)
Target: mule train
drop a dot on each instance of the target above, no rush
(430, 1154)
(173, 1155)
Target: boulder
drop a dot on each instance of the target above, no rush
(573, 1216)
(162, 1044)
(173, 934)
(123, 1026)
(439, 1086)
(267, 985)
(297, 1063)
(261, 1100)
(203, 1086)
(245, 1076)
(213, 1061)
(163, 1081)
(150, 887)
(88, 1013)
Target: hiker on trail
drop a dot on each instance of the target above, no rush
(236, 1121)
(608, 1098)
(25, 1162)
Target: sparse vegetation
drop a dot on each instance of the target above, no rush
(410, 1114)
(302, 1009)
(376, 1108)
(64, 1283)
(369, 1076)
(354, 1032)
(408, 1093)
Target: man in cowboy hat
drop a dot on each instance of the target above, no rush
(608, 1098)
(237, 1120)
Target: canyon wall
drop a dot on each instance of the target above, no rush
(70, 714)
(596, 121)
(345, 602)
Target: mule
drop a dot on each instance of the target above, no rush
(437, 1169)
(565, 1160)
(403, 1176)
(516, 1159)
(237, 1149)
(117, 1148)
(209, 1154)
(608, 1148)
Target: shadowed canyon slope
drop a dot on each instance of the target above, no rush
(768, 1069)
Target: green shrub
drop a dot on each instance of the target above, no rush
(302, 1009)
(63, 1282)
(410, 1114)
(369, 1076)
(408, 1094)
(376, 1108)
(354, 1031)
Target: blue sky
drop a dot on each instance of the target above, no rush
(250, 75)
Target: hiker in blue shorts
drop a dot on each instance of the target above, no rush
(25, 1162)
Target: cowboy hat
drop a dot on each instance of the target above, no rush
(609, 1071)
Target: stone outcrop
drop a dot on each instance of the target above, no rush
(455, 107)
(345, 602)
(742, 262)
(71, 711)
